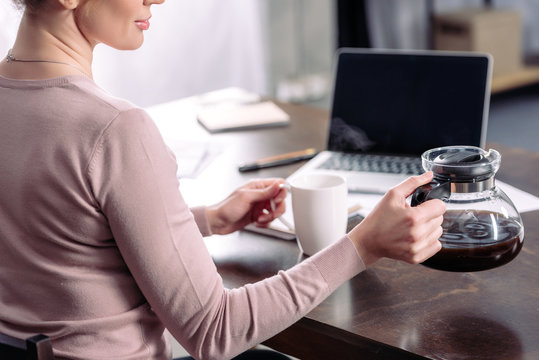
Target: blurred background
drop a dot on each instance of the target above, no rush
(284, 49)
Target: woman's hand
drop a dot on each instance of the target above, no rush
(249, 203)
(396, 230)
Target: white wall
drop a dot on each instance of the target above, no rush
(9, 18)
(191, 47)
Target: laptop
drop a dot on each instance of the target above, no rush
(389, 106)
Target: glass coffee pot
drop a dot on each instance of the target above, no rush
(482, 228)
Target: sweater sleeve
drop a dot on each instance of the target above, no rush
(199, 213)
(133, 177)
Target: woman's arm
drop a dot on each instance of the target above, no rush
(135, 182)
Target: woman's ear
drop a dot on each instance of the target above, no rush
(69, 4)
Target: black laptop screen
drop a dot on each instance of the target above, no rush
(406, 103)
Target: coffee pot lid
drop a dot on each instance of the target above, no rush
(461, 163)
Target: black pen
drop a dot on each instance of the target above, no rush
(278, 160)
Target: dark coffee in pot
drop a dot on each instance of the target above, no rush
(476, 240)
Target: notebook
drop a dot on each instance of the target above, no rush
(241, 117)
(389, 106)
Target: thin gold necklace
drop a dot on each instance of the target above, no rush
(11, 58)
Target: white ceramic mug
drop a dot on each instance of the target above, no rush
(319, 207)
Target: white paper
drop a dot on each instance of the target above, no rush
(193, 156)
(523, 201)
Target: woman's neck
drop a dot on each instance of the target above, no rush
(52, 38)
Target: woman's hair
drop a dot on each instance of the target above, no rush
(31, 4)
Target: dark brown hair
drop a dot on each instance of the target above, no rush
(31, 4)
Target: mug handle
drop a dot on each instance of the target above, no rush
(280, 218)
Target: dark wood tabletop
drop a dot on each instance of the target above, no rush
(392, 310)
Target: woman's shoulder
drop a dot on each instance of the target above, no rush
(96, 105)
(94, 92)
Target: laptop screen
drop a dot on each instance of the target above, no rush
(406, 102)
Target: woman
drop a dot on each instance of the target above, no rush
(99, 251)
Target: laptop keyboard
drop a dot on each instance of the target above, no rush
(373, 163)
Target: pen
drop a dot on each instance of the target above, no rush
(283, 159)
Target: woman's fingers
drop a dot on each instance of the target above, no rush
(408, 186)
(424, 249)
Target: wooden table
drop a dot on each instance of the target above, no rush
(392, 310)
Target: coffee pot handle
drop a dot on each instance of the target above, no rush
(433, 190)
